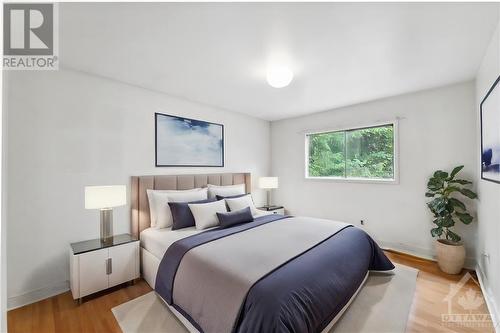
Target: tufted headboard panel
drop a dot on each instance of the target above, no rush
(140, 219)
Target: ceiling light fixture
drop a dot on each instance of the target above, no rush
(279, 76)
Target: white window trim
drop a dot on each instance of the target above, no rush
(393, 181)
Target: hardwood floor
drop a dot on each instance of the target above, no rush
(61, 314)
(429, 304)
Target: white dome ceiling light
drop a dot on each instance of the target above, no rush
(279, 76)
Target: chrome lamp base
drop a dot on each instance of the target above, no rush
(106, 225)
(268, 199)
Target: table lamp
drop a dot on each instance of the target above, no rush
(268, 183)
(105, 198)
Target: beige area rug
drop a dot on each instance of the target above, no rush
(382, 305)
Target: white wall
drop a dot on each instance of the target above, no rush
(489, 193)
(3, 208)
(435, 132)
(67, 130)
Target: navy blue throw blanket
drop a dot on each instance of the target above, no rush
(309, 291)
(303, 295)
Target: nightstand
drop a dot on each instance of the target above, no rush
(273, 209)
(95, 266)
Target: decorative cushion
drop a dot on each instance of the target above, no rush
(242, 202)
(181, 213)
(220, 197)
(232, 218)
(152, 206)
(205, 214)
(229, 190)
(161, 200)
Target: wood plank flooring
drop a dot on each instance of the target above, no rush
(61, 314)
(429, 300)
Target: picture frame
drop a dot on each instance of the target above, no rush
(490, 134)
(187, 142)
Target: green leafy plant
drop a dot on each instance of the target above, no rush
(363, 153)
(448, 209)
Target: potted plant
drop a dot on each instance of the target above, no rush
(447, 210)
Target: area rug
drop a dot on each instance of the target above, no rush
(382, 305)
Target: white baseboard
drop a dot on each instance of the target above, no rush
(491, 302)
(37, 295)
(470, 262)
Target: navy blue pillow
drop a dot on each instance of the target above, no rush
(220, 197)
(232, 218)
(181, 214)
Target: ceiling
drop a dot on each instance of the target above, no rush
(218, 53)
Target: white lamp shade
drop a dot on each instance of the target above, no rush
(97, 197)
(268, 182)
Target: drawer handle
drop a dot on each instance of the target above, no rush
(109, 266)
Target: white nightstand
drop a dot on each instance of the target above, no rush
(95, 266)
(273, 209)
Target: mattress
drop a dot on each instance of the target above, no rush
(156, 241)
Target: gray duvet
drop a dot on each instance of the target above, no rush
(213, 279)
(275, 274)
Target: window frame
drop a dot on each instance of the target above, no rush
(394, 180)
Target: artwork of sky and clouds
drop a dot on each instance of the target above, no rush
(490, 135)
(188, 142)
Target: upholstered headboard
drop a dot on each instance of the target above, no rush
(139, 201)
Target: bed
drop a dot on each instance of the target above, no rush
(275, 274)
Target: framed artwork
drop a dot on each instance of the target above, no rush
(490, 134)
(186, 142)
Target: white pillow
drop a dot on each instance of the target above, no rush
(242, 202)
(225, 191)
(152, 206)
(205, 215)
(161, 210)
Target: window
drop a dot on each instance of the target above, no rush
(366, 153)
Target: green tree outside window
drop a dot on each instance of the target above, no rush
(357, 153)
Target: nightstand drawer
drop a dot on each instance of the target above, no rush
(273, 209)
(279, 211)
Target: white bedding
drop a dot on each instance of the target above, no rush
(156, 241)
